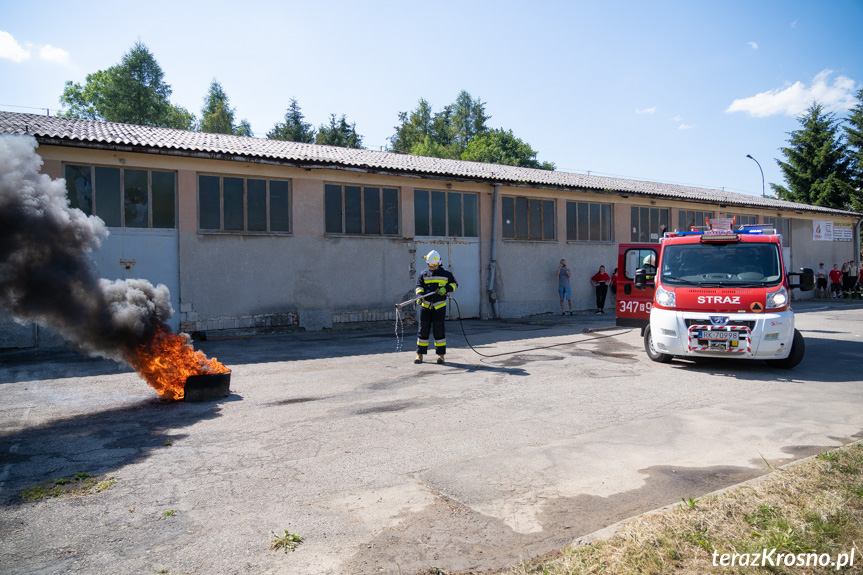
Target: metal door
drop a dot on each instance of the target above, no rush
(146, 254)
(461, 257)
(633, 305)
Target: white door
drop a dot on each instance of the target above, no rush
(152, 255)
(461, 257)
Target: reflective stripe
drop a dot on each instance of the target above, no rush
(435, 306)
(439, 343)
(441, 281)
(418, 291)
(423, 342)
(453, 286)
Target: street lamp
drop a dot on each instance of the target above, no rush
(762, 174)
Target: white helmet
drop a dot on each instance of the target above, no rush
(650, 260)
(433, 257)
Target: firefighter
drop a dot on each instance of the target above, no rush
(439, 282)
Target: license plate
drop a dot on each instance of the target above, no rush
(719, 335)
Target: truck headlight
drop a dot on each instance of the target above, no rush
(777, 298)
(665, 298)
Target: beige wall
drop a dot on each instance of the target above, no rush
(235, 280)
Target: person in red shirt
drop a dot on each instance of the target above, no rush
(601, 280)
(835, 281)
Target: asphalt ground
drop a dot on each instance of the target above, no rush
(383, 466)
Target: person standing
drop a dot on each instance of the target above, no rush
(563, 287)
(438, 282)
(835, 281)
(600, 280)
(821, 280)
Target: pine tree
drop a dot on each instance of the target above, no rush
(339, 133)
(854, 135)
(217, 116)
(294, 128)
(817, 167)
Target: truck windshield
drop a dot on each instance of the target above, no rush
(738, 264)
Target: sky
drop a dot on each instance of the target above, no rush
(666, 91)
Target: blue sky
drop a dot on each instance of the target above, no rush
(669, 91)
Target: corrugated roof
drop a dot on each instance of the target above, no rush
(89, 133)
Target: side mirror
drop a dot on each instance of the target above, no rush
(640, 278)
(806, 282)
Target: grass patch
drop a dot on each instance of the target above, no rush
(286, 542)
(79, 484)
(812, 508)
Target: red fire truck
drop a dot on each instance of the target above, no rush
(720, 291)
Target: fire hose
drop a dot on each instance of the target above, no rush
(399, 337)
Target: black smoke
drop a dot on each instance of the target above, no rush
(47, 275)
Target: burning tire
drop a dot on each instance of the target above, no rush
(798, 348)
(654, 355)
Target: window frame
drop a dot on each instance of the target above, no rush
(636, 223)
(121, 207)
(521, 228)
(698, 217)
(385, 218)
(782, 226)
(242, 202)
(432, 224)
(576, 211)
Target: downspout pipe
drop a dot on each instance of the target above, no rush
(492, 266)
(857, 241)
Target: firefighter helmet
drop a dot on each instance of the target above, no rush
(650, 260)
(433, 257)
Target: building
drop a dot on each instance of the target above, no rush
(251, 233)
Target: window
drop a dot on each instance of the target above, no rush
(527, 218)
(243, 204)
(360, 210)
(641, 258)
(744, 220)
(688, 219)
(124, 198)
(588, 222)
(452, 214)
(648, 224)
(783, 226)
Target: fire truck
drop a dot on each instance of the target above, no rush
(715, 291)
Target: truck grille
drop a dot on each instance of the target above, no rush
(750, 324)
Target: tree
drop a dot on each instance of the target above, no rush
(502, 147)
(460, 132)
(131, 92)
(217, 116)
(293, 129)
(854, 135)
(817, 166)
(412, 130)
(339, 133)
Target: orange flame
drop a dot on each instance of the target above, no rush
(168, 359)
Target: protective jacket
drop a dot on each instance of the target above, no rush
(432, 280)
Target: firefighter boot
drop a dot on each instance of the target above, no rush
(440, 359)
(419, 358)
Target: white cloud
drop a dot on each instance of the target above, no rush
(685, 127)
(645, 110)
(52, 54)
(10, 49)
(753, 45)
(794, 99)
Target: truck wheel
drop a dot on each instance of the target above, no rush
(652, 353)
(798, 348)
